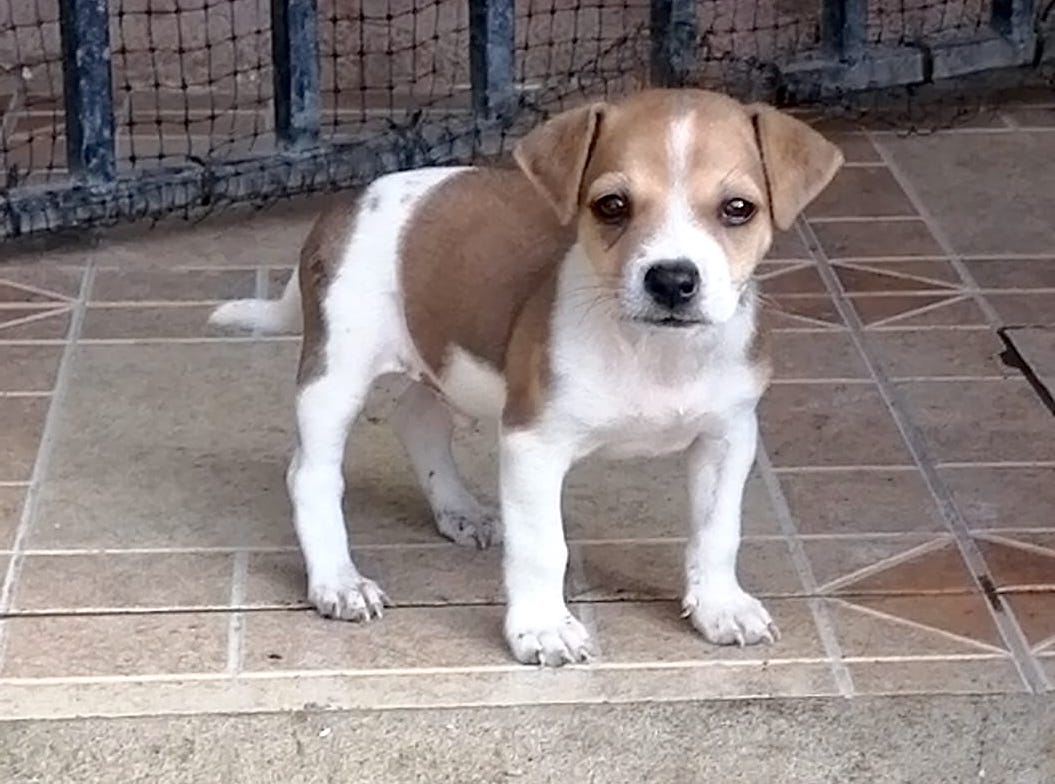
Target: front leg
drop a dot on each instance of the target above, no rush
(539, 627)
(718, 468)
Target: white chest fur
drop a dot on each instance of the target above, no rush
(619, 388)
(632, 390)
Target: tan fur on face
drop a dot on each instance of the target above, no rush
(633, 155)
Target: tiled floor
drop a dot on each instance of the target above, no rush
(900, 521)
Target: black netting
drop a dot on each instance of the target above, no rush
(193, 88)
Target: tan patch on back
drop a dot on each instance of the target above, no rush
(477, 250)
(319, 258)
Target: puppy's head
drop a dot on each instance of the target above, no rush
(675, 194)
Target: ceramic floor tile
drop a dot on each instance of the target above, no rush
(152, 321)
(1021, 566)
(998, 497)
(39, 283)
(49, 647)
(11, 500)
(979, 420)
(914, 567)
(629, 632)
(123, 581)
(172, 285)
(922, 274)
(787, 245)
(1024, 309)
(962, 311)
(971, 676)
(885, 279)
(38, 323)
(869, 239)
(22, 423)
(29, 368)
(856, 147)
(957, 175)
(1033, 611)
(839, 564)
(790, 278)
(939, 308)
(912, 626)
(171, 445)
(411, 576)
(1012, 273)
(938, 352)
(861, 191)
(797, 355)
(636, 572)
(645, 499)
(404, 638)
(837, 424)
(860, 502)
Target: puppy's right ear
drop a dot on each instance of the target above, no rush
(554, 156)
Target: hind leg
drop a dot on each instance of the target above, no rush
(425, 426)
(326, 409)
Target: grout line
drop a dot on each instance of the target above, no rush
(835, 468)
(954, 258)
(261, 291)
(996, 464)
(1030, 671)
(38, 393)
(236, 624)
(44, 448)
(821, 617)
(927, 288)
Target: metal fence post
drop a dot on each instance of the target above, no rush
(492, 57)
(1013, 19)
(844, 28)
(88, 90)
(295, 52)
(674, 36)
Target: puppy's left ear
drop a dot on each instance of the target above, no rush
(555, 154)
(799, 162)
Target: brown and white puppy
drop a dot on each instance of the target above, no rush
(597, 300)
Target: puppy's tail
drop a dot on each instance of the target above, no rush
(263, 315)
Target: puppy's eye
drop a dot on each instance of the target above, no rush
(612, 209)
(736, 212)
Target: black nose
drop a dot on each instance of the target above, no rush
(672, 283)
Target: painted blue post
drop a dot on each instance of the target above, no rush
(295, 52)
(492, 58)
(674, 41)
(88, 90)
(844, 28)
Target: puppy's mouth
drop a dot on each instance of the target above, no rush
(671, 322)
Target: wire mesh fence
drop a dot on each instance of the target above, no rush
(214, 102)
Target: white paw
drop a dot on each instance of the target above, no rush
(480, 528)
(350, 597)
(729, 617)
(551, 643)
